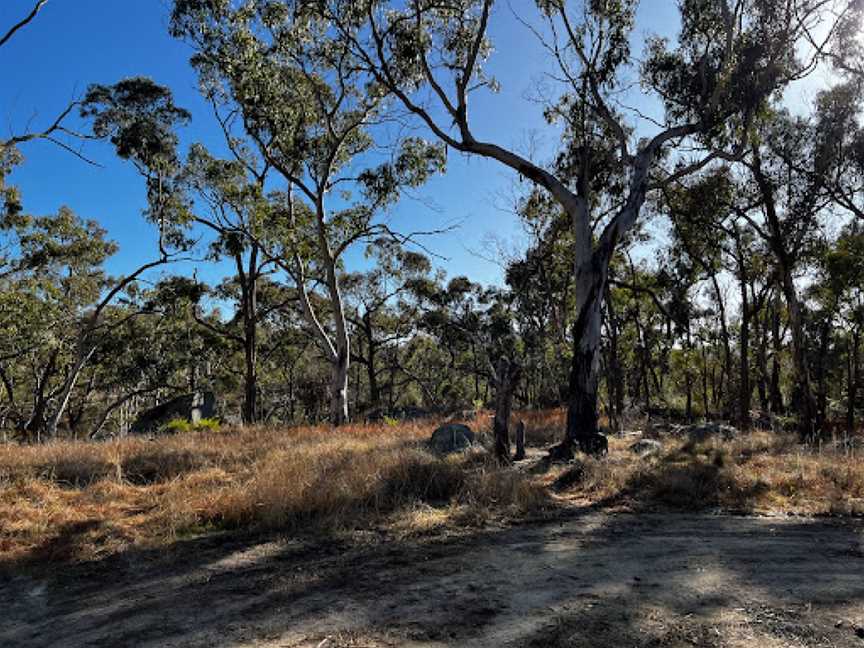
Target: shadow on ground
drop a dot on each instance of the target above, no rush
(587, 579)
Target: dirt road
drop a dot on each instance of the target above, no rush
(588, 580)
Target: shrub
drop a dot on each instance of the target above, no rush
(182, 426)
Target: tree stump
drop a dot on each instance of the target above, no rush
(520, 441)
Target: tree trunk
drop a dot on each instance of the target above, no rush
(805, 401)
(808, 423)
(66, 393)
(762, 359)
(688, 374)
(727, 344)
(339, 389)
(824, 348)
(520, 441)
(582, 397)
(706, 412)
(371, 364)
(615, 379)
(776, 396)
(854, 362)
(745, 390)
(507, 376)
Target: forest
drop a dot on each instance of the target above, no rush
(679, 328)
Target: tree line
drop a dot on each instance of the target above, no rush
(704, 263)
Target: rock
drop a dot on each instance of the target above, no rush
(453, 437)
(647, 448)
(676, 430)
(191, 407)
(707, 431)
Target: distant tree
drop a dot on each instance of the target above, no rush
(380, 308)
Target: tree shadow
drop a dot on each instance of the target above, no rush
(586, 578)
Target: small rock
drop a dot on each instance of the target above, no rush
(706, 431)
(647, 448)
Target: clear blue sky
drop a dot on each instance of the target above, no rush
(73, 43)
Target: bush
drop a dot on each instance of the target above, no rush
(182, 426)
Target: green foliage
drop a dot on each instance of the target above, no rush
(183, 426)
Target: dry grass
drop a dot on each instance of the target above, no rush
(79, 501)
(761, 472)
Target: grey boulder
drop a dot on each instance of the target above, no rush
(453, 437)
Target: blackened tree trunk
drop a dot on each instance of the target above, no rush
(688, 374)
(582, 418)
(507, 375)
(776, 396)
(727, 345)
(249, 295)
(745, 390)
(854, 376)
(615, 377)
(339, 389)
(805, 402)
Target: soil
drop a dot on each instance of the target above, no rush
(590, 579)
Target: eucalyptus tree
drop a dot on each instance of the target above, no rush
(786, 210)
(318, 121)
(381, 309)
(727, 59)
(228, 198)
(58, 308)
(842, 289)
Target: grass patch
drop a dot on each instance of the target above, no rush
(80, 501)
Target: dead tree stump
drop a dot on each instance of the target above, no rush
(520, 441)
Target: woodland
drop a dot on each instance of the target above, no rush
(692, 281)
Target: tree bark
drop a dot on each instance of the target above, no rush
(66, 393)
(520, 441)
(615, 379)
(249, 292)
(339, 390)
(507, 376)
(854, 363)
(808, 424)
(776, 396)
(745, 390)
(582, 416)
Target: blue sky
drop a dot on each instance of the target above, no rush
(73, 43)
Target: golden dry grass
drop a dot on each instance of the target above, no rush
(81, 501)
(760, 472)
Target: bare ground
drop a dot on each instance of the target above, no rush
(590, 579)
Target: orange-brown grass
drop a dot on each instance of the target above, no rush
(78, 501)
(760, 472)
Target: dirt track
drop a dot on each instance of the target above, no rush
(589, 580)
